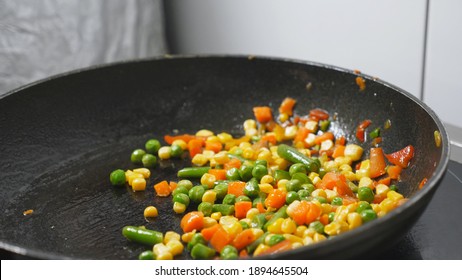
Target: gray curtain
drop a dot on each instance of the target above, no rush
(40, 38)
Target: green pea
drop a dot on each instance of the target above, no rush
(185, 183)
(275, 239)
(298, 168)
(331, 216)
(152, 146)
(363, 205)
(302, 177)
(251, 188)
(365, 194)
(317, 226)
(243, 198)
(259, 171)
(281, 174)
(246, 172)
(196, 193)
(202, 252)
(221, 190)
(180, 189)
(233, 174)
(309, 187)
(117, 177)
(146, 255)
(229, 199)
(291, 197)
(149, 160)
(337, 201)
(181, 198)
(261, 162)
(137, 156)
(176, 151)
(197, 238)
(205, 208)
(368, 215)
(229, 253)
(303, 194)
(244, 225)
(293, 185)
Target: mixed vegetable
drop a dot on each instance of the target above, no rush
(288, 182)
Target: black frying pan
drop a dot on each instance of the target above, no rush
(60, 138)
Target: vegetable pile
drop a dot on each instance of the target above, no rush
(288, 182)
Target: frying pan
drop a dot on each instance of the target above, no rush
(61, 137)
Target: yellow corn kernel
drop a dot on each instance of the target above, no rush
(248, 153)
(365, 182)
(341, 213)
(248, 124)
(300, 230)
(164, 152)
(330, 194)
(288, 226)
(216, 215)
(233, 229)
(296, 245)
(133, 176)
(375, 207)
(264, 154)
(307, 240)
(204, 133)
(267, 179)
(310, 139)
(353, 151)
(266, 188)
(179, 207)
(282, 184)
(150, 212)
(326, 208)
(290, 132)
(387, 205)
(162, 252)
(186, 237)
(309, 232)
(208, 222)
(349, 175)
(139, 184)
(179, 142)
(299, 145)
(260, 249)
(252, 213)
(213, 138)
(175, 247)
(336, 227)
(311, 126)
(330, 166)
(354, 220)
(326, 145)
(343, 161)
(317, 237)
(381, 189)
(127, 175)
(143, 171)
(246, 221)
(224, 137)
(283, 117)
(361, 173)
(319, 192)
(313, 175)
(209, 196)
(251, 132)
(292, 238)
(268, 238)
(394, 196)
(221, 157)
(257, 232)
(199, 159)
(381, 214)
(171, 235)
(208, 180)
(208, 154)
(281, 163)
(227, 220)
(351, 207)
(344, 167)
(275, 227)
(274, 151)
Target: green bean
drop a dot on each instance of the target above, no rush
(252, 246)
(192, 172)
(206, 208)
(281, 213)
(229, 199)
(293, 155)
(258, 221)
(251, 188)
(202, 252)
(275, 239)
(146, 255)
(141, 235)
(224, 209)
(317, 226)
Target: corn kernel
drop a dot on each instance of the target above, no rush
(179, 207)
(330, 194)
(381, 189)
(221, 157)
(227, 220)
(212, 139)
(143, 171)
(326, 145)
(288, 226)
(216, 215)
(281, 163)
(375, 207)
(319, 192)
(233, 229)
(133, 176)
(199, 159)
(186, 237)
(208, 154)
(164, 152)
(312, 126)
(248, 153)
(208, 222)
(307, 240)
(317, 237)
(349, 175)
(300, 230)
(204, 133)
(264, 154)
(283, 117)
(183, 145)
(343, 160)
(353, 151)
(361, 173)
(296, 245)
(387, 205)
(354, 220)
(330, 166)
(310, 139)
(139, 184)
(326, 208)
(209, 196)
(275, 227)
(290, 132)
(266, 188)
(313, 175)
(127, 175)
(282, 184)
(252, 213)
(309, 232)
(394, 196)
(260, 249)
(208, 180)
(257, 232)
(336, 227)
(365, 182)
(292, 238)
(267, 179)
(251, 132)
(150, 212)
(175, 247)
(162, 252)
(171, 235)
(224, 137)
(248, 124)
(246, 221)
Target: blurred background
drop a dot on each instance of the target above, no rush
(412, 44)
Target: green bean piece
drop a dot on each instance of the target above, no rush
(229, 199)
(197, 238)
(293, 155)
(294, 185)
(196, 193)
(246, 172)
(302, 177)
(322, 172)
(149, 160)
(141, 235)
(317, 226)
(243, 198)
(237, 155)
(251, 188)
(275, 239)
(180, 189)
(192, 172)
(221, 189)
(365, 194)
(258, 221)
(281, 213)
(202, 252)
(280, 175)
(298, 168)
(252, 246)
(368, 215)
(259, 171)
(137, 156)
(206, 208)
(229, 253)
(152, 146)
(337, 201)
(182, 198)
(176, 151)
(146, 255)
(117, 177)
(291, 197)
(261, 162)
(303, 194)
(363, 205)
(224, 209)
(233, 174)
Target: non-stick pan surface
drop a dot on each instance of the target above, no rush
(60, 138)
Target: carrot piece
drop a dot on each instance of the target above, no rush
(195, 146)
(236, 188)
(192, 221)
(313, 213)
(241, 208)
(213, 146)
(379, 198)
(270, 138)
(208, 233)
(263, 114)
(339, 151)
(276, 199)
(331, 180)
(377, 163)
(220, 174)
(243, 239)
(347, 200)
(287, 106)
(172, 185)
(243, 254)
(323, 137)
(297, 211)
(260, 207)
(401, 157)
(360, 130)
(232, 163)
(324, 219)
(318, 114)
(361, 83)
(220, 239)
(340, 141)
(301, 135)
(162, 188)
(279, 247)
(385, 181)
(185, 137)
(422, 183)
(394, 171)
